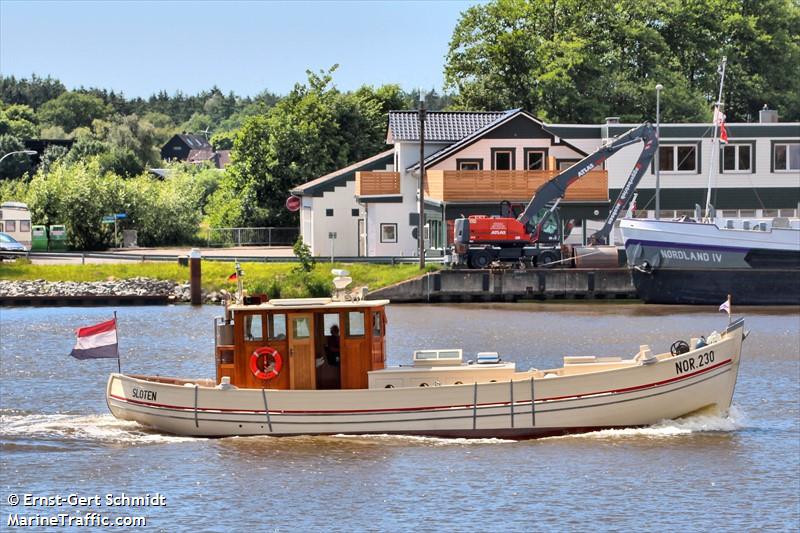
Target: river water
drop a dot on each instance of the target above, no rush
(707, 472)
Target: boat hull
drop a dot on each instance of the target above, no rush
(712, 286)
(692, 263)
(633, 395)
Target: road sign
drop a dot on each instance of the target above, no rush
(120, 215)
(293, 203)
(108, 220)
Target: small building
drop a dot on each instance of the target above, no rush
(476, 160)
(180, 146)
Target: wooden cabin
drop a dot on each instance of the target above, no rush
(321, 343)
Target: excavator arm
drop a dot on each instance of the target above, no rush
(546, 198)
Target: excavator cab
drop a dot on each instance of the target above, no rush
(547, 221)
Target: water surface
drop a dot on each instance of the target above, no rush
(707, 472)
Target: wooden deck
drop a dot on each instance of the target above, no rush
(513, 185)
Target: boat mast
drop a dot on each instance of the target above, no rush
(714, 140)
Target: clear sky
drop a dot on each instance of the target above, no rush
(142, 47)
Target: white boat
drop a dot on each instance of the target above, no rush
(275, 377)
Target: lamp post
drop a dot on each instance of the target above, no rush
(421, 222)
(658, 150)
(26, 152)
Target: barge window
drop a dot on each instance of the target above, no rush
(277, 326)
(330, 320)
(355, 324)
(253, 328)
(377, 324)
(301, 328)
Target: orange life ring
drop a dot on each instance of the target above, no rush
(271, 370)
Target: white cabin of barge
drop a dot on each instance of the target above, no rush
(322, 343)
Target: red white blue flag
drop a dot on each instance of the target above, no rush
(97, 342)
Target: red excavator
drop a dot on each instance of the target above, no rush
(533, 237)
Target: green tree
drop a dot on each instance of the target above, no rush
(576, 61)
(72, 110)
(13, 166)
(32, 92)
(19, 121)
(314, 130)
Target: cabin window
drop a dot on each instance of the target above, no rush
(301, 328)
(355, 324)
(277, 327)
(331, 324)
(24, 225)
(377, 324)
(11, 225)
(253, 328)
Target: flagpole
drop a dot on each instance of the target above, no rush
(714, 144)
(116, 330)
(729, 309)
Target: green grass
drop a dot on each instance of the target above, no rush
(275, 279)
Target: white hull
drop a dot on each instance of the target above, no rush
(622, 394)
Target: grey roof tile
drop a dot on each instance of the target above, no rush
(447, 126)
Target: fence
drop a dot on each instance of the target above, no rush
(252, 236)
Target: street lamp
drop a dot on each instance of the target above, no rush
(658, 150)
(26, 152)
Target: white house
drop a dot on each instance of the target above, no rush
(475, 160)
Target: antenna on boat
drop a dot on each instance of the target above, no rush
(340, 282)
(714, 141)
(239, 283)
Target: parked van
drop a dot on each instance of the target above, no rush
(15, 219)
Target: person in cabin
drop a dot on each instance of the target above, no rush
(332, 346)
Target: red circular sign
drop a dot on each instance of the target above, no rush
(293, 203)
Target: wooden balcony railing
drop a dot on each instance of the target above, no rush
(513, 185)
(377, 183)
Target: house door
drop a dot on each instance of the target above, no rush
(302, 370)
(362, 238)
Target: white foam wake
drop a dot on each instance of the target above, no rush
(434, 441)
(101, 428)
(698, 423)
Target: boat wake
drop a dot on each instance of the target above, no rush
(695, 424)
(48, 430)
(429, 441)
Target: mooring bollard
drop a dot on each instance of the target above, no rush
(195, 276)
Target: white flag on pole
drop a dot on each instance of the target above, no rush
(726, 306)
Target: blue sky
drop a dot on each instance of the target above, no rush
(143, 47)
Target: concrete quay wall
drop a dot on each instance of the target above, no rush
(512, 285)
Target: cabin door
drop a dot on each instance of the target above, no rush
(302, 370)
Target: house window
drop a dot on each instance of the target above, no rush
(433, 233)
(564, 164)
(786, 156)
(388, 232)
(329, 212)
(502, 159)
(737, 158)
(678, 158)
(535, 159)
(469, 164)
(354, 212)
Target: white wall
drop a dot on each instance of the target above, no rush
(316, 225)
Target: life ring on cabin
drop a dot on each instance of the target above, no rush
(272, 369)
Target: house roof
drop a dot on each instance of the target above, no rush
(194, 142)
(197, 156)
(440, 126)
(477, 134)
(328, 182)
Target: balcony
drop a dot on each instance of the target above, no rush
(377, 183)
(512, 185)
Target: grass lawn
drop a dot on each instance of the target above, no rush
(275, 279)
